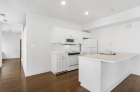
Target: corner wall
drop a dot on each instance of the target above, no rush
(39, 41)
(0, 44)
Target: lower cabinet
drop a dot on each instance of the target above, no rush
(59, 63)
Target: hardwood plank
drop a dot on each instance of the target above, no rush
(12, 79)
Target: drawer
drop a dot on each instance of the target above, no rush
(62, 56)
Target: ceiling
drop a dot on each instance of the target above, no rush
(14, 28)
(73, 11)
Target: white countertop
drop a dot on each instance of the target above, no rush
(110, 58)
(59, 53)
(63, 53)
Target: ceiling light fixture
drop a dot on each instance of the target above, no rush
(86, 13)
(63, 2)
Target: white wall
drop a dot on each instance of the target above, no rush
(39, 36)
(119, 18)
(23, 54)
(123, 39)
(11, 45)
(0, 44)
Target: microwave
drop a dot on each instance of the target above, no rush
(70, 40)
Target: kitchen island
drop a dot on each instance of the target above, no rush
(102, 73)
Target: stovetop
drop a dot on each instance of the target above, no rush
(73, 52)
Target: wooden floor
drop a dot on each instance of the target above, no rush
(12, 79)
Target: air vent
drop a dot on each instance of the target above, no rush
(3, 15)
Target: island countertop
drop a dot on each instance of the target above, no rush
(110, 58)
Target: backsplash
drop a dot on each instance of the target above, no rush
(60, 47)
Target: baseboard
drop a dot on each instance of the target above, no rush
(35, 73)
(11, 58)
(135, 72)
(116, 83)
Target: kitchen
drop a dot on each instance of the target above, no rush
(70, 44)
(76, 46)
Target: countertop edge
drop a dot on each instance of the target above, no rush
(109, 61)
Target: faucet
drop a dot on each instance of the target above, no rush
(110, 51)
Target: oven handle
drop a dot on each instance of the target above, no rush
(73, 65)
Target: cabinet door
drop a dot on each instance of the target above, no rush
(65, 64)
(68, 33)
(88, 35)
(59, 65)
(79, 37)
(54, 35)
(61, 35)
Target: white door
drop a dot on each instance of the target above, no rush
(59, 65)
(87, 45)
(93, 50)
(61, 35)
(73, 60)
(65, 64)
(68, 33)
(93, 43)
(79, 37)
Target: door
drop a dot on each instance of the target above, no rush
(20, 49)
(61, 35)
(65, 60)
(93, 50)
(59, 65)
(73, 60)
(93, 46)
(93, 43)
(87, 45)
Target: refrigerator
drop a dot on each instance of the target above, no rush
(90, 46)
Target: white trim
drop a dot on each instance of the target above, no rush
(135, 73)
(12, 58)
(116, 83)
(35, 72)
(0, 65)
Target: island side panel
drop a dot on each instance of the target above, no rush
(113, 74)
(90, 74)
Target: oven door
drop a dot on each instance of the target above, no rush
(73, 62)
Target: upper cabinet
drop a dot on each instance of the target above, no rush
(86, 35)
(79, 37)
(70, 33)
(57, 35)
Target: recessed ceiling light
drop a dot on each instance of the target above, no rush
(63, 2)
(86, 13)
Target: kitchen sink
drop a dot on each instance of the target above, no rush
(108, 53)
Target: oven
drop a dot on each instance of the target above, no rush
(73, 61)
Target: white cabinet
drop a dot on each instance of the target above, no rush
(70, 33)
(57, 35)
(59, 63)
(79, 37)
(86, 35)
